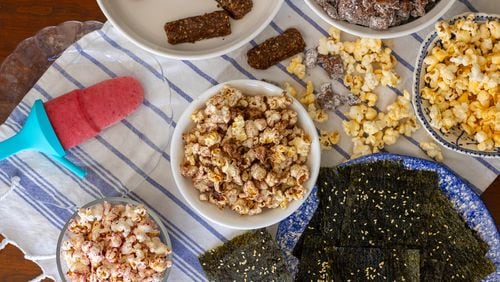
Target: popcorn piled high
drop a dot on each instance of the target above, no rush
(372, 130)
(247, 152)
(432, 150)
(462, 80)
(115, 243)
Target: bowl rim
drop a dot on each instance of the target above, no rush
(114, 200)
(441, 7)
(199, 102)
(429, 41)
(104, 5)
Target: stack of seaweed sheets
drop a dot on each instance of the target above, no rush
(381, 222)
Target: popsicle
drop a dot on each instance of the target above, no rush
(73, 118)
(81, 114)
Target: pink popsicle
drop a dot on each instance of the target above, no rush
(81, 114)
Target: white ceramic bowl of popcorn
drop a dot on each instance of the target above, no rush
(226, 217)
(456, 139)
(62, 266)
(392, 32)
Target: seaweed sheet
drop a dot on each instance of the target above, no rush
(253, 256)
(403, 265)
(424, 237)
(359, 264)
(316, 260)
(454, 251)
(312, 229)
(384, 208)
(332, 193)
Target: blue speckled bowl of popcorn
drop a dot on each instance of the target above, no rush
(461, 194)
(455, 139)
(62, 267)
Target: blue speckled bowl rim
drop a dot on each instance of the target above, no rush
(417, 100)
(460, 192)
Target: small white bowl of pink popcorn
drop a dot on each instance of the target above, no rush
(114, 239)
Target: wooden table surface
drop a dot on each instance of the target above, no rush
(20, 19)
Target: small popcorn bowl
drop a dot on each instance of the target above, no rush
(456, 139)
(62, 267)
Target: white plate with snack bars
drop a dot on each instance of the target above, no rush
(455, 84)
(389, 19)
(196, 29)
(244, 155)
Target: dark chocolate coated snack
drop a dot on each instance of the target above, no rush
(276, 49)
(376, 14)
(197, 28)
(237, 9)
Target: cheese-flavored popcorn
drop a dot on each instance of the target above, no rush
(432, 150)
(462, 79)
(328, 139)
(296, 67)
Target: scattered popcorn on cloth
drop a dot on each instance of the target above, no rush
(432, 150)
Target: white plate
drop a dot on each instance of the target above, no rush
(429, 18)
(142, 22)
(227, 217)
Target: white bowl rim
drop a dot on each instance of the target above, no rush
(187, 55)
(441, 7)
(416, 100)
(114, 200)
(199, 102)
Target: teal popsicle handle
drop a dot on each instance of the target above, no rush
(37, 134)
(11, 146)
(70, 166)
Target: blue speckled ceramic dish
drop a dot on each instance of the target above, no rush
(459, 191)
(456, 140)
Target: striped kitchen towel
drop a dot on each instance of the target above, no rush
(37, 195)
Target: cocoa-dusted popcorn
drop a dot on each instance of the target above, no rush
(246, 152)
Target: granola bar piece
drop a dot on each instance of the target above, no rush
(276, 49)
(197, 28)
(237, 9)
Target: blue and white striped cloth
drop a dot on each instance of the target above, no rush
(37, 196)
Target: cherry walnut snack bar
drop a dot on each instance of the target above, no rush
(197, 28)
(237, 9)
(276, 49)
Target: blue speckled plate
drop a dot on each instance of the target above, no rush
(456, 139)
(459, 191)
